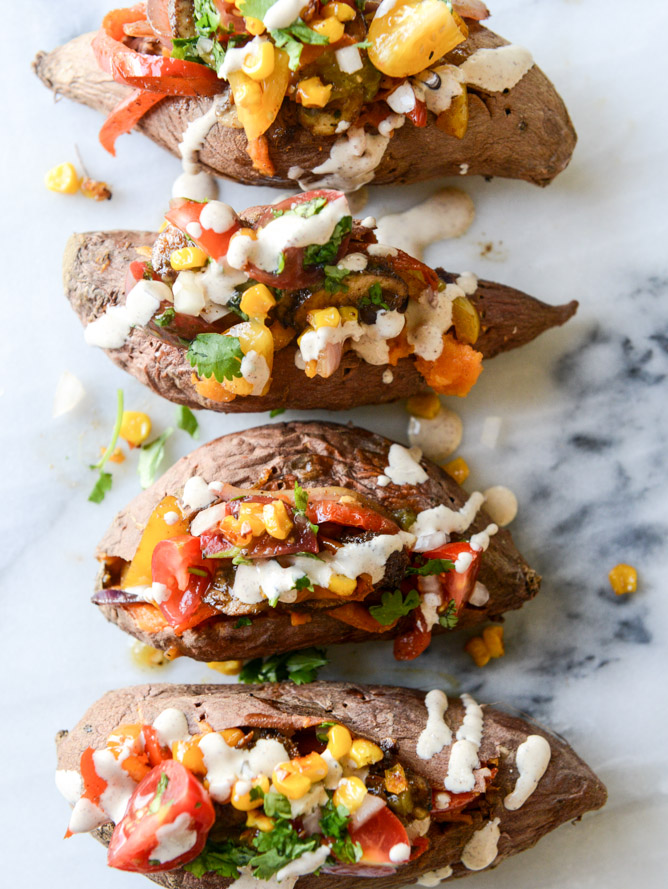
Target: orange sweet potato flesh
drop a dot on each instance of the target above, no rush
(455, 371)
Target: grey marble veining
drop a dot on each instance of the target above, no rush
(583, 443)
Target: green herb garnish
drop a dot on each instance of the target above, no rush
(276, 411)
(186, 420)
(224, 859)
(374, 298)
(304, 583)
(334, 825)
(301, 503)
(150, 458)
(431, 566)
(316, 254)
(393, 606)
(334, 279)
(243, 622)
(214, 354)
(299, 667)
(103, 484)
(156, 802)
(293, 38)
(166, 318)
(449, 617)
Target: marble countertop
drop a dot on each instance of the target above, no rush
(583, 442)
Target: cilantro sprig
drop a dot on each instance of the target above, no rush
(103, 484)
(431, 566)
(224, 859)
(449, 618)
(316, 254)
(150, 458)
(293, 38)
(301, 503)
(214, 354)
(393, 606)
(334, 825)
(374, 298)
(186, 420)
(334, 279)
(299, 667)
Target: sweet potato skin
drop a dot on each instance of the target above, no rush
(525, 133)
(315, 455)
(567, 790)
(94, 269)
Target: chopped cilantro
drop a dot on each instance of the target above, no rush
(315, 254)
(363, 44)
(322, 735)
(292, 40)
(334, 825)
(103, 484)
(374, 298)
(334, 279)
(431, 566)
(256, 792)
(150, 458)
(449, 617)
(393, 606)
(304, 583)
(243, 622)
(298, 666)
(214, 354)
(276, 805)
(223, 859)
(279, 847)
(276, 411)
(186, 420)
(166, 318)
(156, 802)
(301, 502)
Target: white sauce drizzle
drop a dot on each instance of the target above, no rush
(225, 764)
(480, 595)
(497, 69)
(283, 13)
(400, 852)
(436, 734)
(196, 493)
(403, 467)
(434, 877)
(255, 370)
(438, 437)
(305, 864)
(111, 330)
(464, 753)
(532, 759)
(501, 504)
(433, 527)
(480, 541)
(171, 725)
(351, 163)
(193, 183)
(174, 839)
(70, 784)
(248, 881)
(446, 214)
(481, 849)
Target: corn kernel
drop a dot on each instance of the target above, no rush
(135, 427)
(350, 793)
(623, 579)
(260, 65)
(303, 334)
(478, 651)
(227, 668)
(425, 406)
(331, 28)
(276, 519)
(163, 226)
(457, 469)
(313, 766)
(241, 797)
(342, 585)
(187, 258)
(246, 232)
(63, 179)
(364, 753)
(95, 189)
(341, 11)
(189, 754)
(248, 93)
(395, 779)
(493, 639)
(257, 301)
(232, 736)
(312, 92)
(289, 783)
(254, 26)
(339, 741)
(311, 368)
(259, 821)
(330, 317)
(348, 313)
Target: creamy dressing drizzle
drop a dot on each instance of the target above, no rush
(196, 493)
(436, 734)
(403, 467)
(439, 437)
(464, 753)
(111, 330)
(193, 183)
(434, 877)
(225, 764)
(433, 527)
(352, 162)
(532, 759)
(481, 849)
(305, 864)
(174, 839)
(496, 69)
(446, 214)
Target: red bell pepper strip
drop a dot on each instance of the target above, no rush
(125, 116)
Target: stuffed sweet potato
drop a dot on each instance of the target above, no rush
(208, 784)
(299, 534)
(290, 305)
(341, 96)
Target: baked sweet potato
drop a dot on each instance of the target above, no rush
(318, 456)
(522, 133)
(94, 273)
(393, 719)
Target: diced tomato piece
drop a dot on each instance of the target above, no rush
(378, 836)
(354, 515)
(178, 564)
(418, 114)
(168, 793)
(154, 749)
(136, 272)
(413, 641)
(213, 243)
(457, 587)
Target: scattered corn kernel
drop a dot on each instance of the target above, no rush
(330, 317)
(478, 650)
(187, 258)
(147, 656)
(425, 406)
(348, 313)
(311, 368)
(257, 301)
(254, 26)
(623, 579)
(342, 585)
(276, 519)
(64, 179)
(95, 190)
(312, 92)
(339, 741)
(289, 783)
(457, 469)
(395, 779)
(189, 754)
(135, 427)
(466, 320)
(241, 793)
(350, 793)
(259, 821)
(330, 27)
(493, 639)
(341, 11)
(259, 64)
(116, 457)
(227, 668)
(364, 753)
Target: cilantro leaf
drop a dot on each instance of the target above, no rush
(214, 354)
(186, 420)
(306, 209)
(374, 298)
(156, 802)
(298, 666)
(166, 318)
(431, 566)
(150, 458)
(276, 805)
(256, 9)
(301, 502)
(243, 622)
(393, 606)
(103, 484)
(449, 617)
(315, 254)
(279, 847)
(334, 825)
(276, 411)
(334, 279)
(293, 38)
(224, 859)
(304, 583)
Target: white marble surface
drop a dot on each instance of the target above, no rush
(583, 443)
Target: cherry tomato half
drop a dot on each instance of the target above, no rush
(214, 244)
(378, 836)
